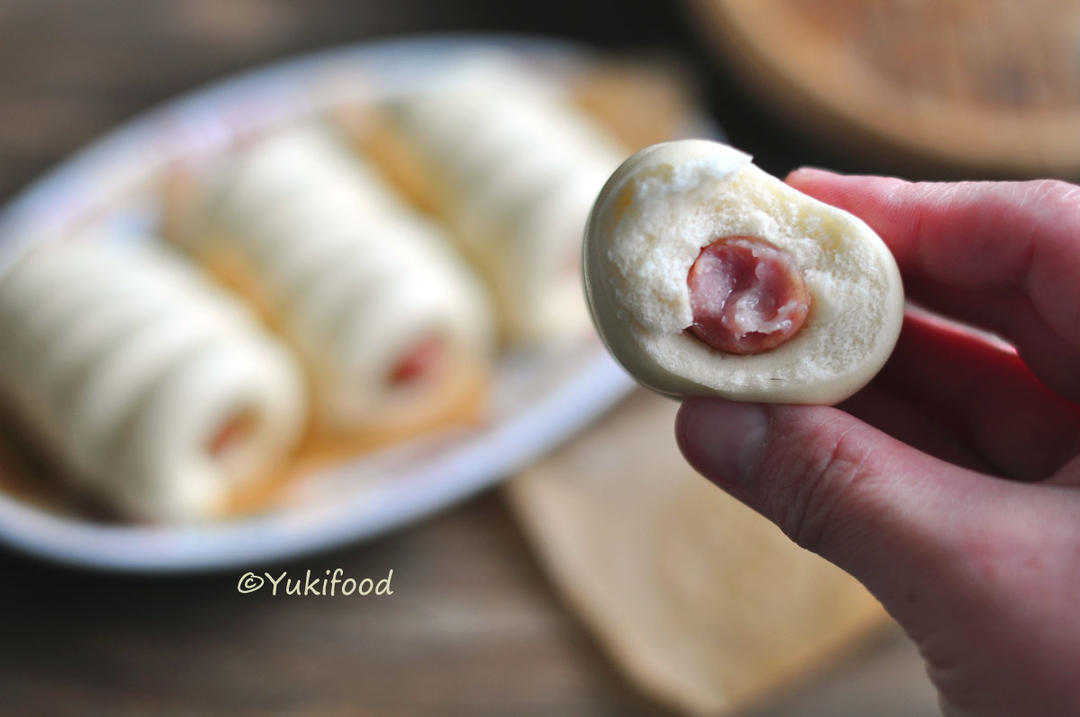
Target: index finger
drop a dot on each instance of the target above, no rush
(1002, 254)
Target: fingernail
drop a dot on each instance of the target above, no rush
(808, 174)
(722, 440)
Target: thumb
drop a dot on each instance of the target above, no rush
(881, 510)
(979, 571)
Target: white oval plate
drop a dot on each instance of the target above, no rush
(538, 399)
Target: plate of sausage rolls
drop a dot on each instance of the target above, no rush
(310, 303)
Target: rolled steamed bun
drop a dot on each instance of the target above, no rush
(514, 169)
(388, 320)
(156, 391)
(706, 276)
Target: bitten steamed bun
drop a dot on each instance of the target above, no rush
(706, 276)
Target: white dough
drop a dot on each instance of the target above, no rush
(97, 336)
(519, 168)
(355, 277)
(648, 226)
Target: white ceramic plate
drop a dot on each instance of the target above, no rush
(539, 398)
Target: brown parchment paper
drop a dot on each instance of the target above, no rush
(703, 603)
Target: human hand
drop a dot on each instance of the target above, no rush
(950, 486)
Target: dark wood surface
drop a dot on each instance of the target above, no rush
(473, 627)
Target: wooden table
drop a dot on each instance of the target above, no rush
(473, 627)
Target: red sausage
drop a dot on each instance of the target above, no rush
(418, 361)
(747, 295)
(231, 433)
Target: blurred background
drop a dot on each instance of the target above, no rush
(927, 90)
(72, 70)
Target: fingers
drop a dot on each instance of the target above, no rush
(889, 515)
(1015, 242)
(1051, 357)
(971, 235)
(916, 423)
(1013, 422)
(833, 484)
(960, 559)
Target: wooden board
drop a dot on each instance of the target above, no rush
(981, 86)
(702, 602)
